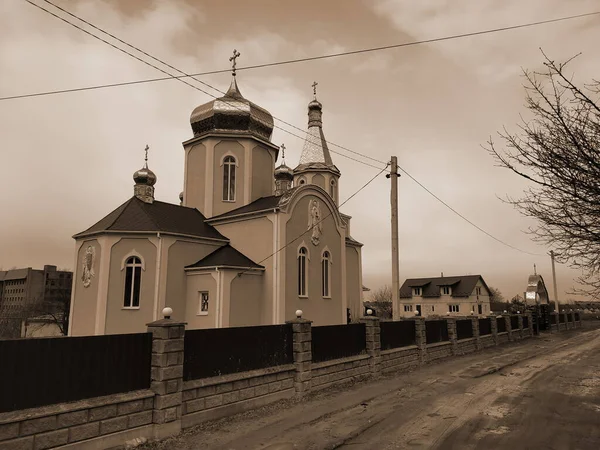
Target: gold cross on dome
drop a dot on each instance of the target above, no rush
(314, 86)
(233, 60)
(146, 158)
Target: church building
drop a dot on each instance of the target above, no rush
(249, 244)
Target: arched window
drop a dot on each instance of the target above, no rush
(332, 189)
(302, 275)
(229, 179)
(326, 274)
(133, 280)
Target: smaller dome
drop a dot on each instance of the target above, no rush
(144, 176)
(284, 171)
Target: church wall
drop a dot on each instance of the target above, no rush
(322, 311)
(246, 296)
(83, 316)
(353, 282)
(254, 238)
(181, 254)
(195, 177)
(197, 283)
(223, 148)
(119, 319)
(319, 180)
(263, 166)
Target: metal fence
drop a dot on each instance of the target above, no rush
(221, 351)
(577, 317)
(436, 331)
(514, 322)
(464, 329)
(501, 323)
(561, 318)
(553, 319)
(45, 371)
(338, 341)
(569, 318)
(397, 334)
(485, 326)
(525, 322)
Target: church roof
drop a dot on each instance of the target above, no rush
(226, 256)
(260, 204)
(136, 215)
(462, 286)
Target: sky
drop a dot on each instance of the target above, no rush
(67, 160)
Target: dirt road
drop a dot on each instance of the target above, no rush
(542, 393)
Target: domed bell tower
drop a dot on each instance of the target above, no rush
(145, 180)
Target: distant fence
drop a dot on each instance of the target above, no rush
(501, 324)
(569, 318)
(464, 329)
(553, 319)
(561, 318)
(397, 334)
(485, 326)
(45, 371)
(221, 351)
(577, 317)
(514, 322)
(436, 331)
(525, 322)
(338, 341)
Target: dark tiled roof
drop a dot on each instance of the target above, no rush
(352, 241)
(259, 204)
(136, 215)
(226, 256)
(462, 286)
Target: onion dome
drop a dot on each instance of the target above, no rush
(283, 172)
(232, 113)
(144, 176)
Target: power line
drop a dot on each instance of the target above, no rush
(320, 221)
(175, 77)
(291, 125)
(312, 58)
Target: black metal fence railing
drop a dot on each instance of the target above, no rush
(397, 334)
(577, 317)
(338, 341)
(514, 322)
(553, 319)
(464, 329)
(436, 331)
(569, 318)
(44, 371)
(525, 322)
(561, 318)
(501, 324)
(220, 351)
(485, 327)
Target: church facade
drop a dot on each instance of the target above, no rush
(248, 244)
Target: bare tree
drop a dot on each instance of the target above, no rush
(557, 150)
(382, 294)
(381, 301)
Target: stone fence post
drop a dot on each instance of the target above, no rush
(301, 329)
(494, 327)
(373, 334)
(421, 338)
(554, 322)
(529, 330)
(506, 318)
(520, 320)
(452, 335)
(475, 325)
(167, 374)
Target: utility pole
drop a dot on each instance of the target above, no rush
(394, 175)
(554, 280)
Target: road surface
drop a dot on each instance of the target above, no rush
(543, 393)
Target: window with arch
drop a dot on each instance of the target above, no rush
(326, 274)
(302, 272)
(332, 189)
(229, 179)
(133, 280)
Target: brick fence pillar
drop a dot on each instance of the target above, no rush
(373, 333)
(506, 318)
(572, 314)
(421, 339)
(520, 320)
(302, 354)
(529, 330)
(494, 327)
(452, 335)
(167, 374)
(566, 322)
(554, 322)
(475, 325)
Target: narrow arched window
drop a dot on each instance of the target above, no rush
(133, 280)
(332, 189)
(229, 179)
(326, 274)
(302, 278)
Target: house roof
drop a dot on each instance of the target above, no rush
(462, 286)
(260, 204)
(226, 256)
(136, 215)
